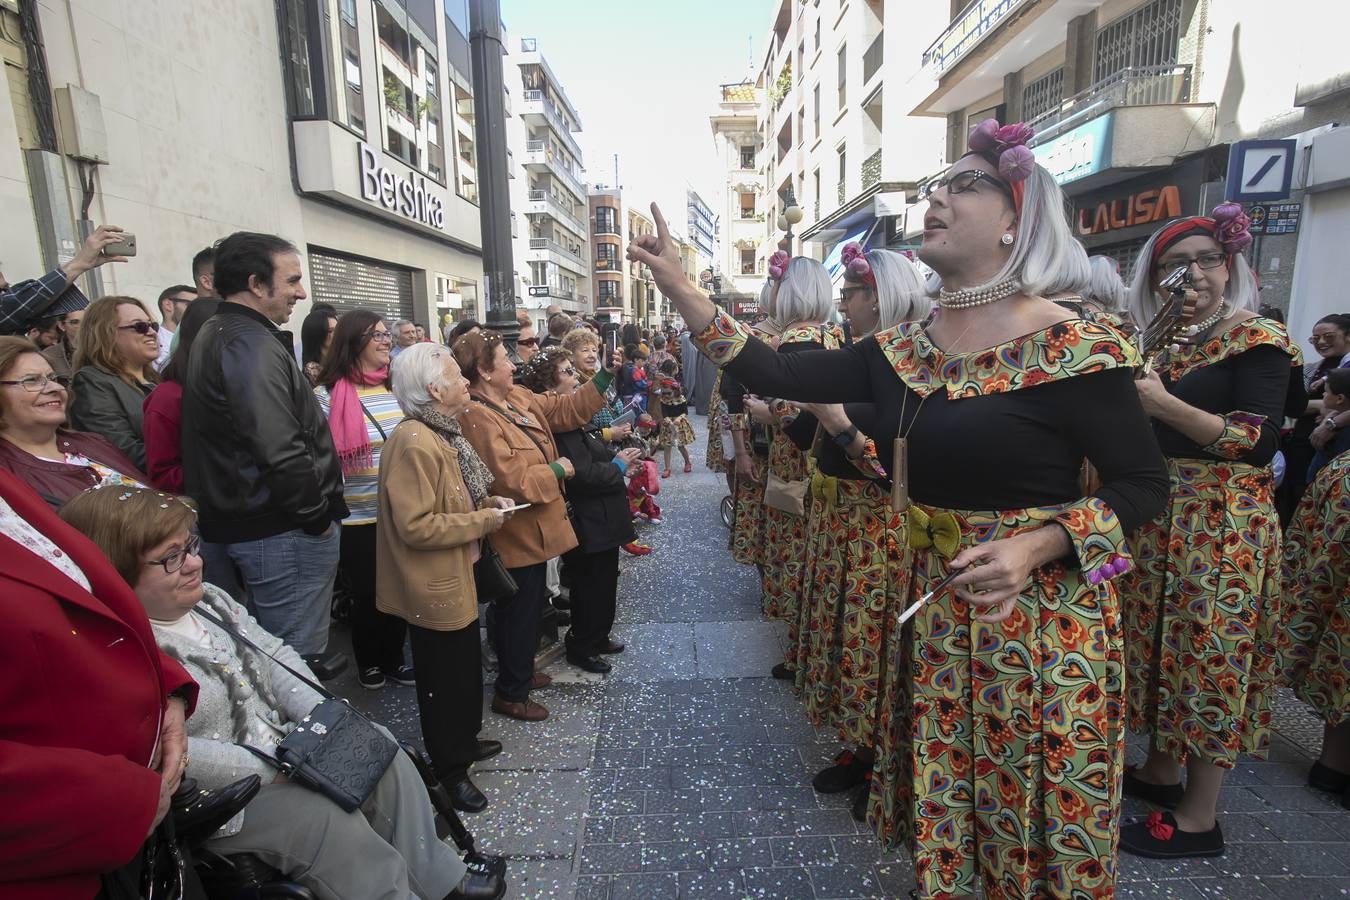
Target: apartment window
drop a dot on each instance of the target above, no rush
(408, 72)
(347, 10)
(801, 59)
(607, 257)
(843, 173)
(1043, 94)
(300, 87)
(843, 76)
(747, 205)
(1148, 37)
(747, 260)
(605, 220)
(607, 292)
(747, 157)
(815, 110)
(801, 124)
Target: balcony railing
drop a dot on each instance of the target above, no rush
(553, 116)
(841, 193)
(967, 29)
(608, 263)
(872, 59)
(1135, 86)
(871, 170)
(557, 210)
(547, 244)
(539, 151)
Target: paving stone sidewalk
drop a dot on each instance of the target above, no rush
(685, 772)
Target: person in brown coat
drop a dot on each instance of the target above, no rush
(434, 507)
(512, 430)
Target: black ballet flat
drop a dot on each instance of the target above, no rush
(1165, 795)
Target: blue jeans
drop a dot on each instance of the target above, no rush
(289, 580)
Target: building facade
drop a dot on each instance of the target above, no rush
(358, 148)
(836, 135)
(739, 269)
(607, 249)
(703, 224)
(1136, 105)
(551, 255)
(643, 302)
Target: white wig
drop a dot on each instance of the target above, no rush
(804, 294)
(902, 295)
(1241, 292)
(1075, 275)
(1105, 288)
(1043, 247)
(413, 371)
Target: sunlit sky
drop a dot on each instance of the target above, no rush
(644, 78)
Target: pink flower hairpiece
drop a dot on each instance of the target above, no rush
(778, 264)
(1007, 142)
(1232, 228)
(855, 260)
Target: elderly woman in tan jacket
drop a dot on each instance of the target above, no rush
(434, 507)
(512, 430)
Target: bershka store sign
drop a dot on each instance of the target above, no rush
(409, 197)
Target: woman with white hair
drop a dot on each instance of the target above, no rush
(800, 295)
(1006, 771)
(1104, 298)
(847, 607)
(1202, 608)
(434, 508)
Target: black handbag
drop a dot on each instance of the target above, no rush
(334, 750)
(492, 579)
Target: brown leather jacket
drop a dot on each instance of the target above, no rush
(57, 482)
(517, 448)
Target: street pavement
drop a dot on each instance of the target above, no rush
(686, 771)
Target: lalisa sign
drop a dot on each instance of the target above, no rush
(409, 197)
(1140, 208)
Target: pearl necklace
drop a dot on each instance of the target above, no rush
(967, 298)
(1219, 315)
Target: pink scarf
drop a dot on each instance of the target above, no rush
(347, 422)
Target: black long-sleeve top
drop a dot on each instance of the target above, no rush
(997, 451)
(1250, 379)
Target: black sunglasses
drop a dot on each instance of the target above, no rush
(139, 327)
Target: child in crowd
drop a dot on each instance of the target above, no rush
(676, 432)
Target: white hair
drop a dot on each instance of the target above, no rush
(805, 293)
(766, 298)
(413, 371)
(1105, 287)
(1241, 292)
(902, 295)
(1074, 275)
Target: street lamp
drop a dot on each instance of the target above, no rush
(791, 215)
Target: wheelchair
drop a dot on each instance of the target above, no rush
(243, 876)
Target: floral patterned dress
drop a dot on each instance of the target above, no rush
(1202, 606)
(1316, 660)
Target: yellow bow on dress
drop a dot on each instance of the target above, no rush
(941, 531)
(824, 488)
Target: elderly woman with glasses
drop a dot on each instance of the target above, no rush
(114, 372)
(1202, 606)
(354, 393)
(600, 517)
(35, 443)
(1006, 767)
(434, 509)
(388, 847)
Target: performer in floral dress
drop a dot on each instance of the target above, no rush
(1202, 604)
(1009, 765)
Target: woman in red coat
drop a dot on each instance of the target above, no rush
(92, 744)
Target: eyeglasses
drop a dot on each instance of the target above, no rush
(961, 182)
(1204, 261)
(569, 371)
(528, 342)
(846, 292)
(380, 337)
(34, 384)
(175, 560)
(142, 327)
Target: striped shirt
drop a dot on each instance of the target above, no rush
(361, 489)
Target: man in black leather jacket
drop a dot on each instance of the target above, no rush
(257, 454)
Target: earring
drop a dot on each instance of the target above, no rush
(487, 377)
(1006, 239)
(874, 309)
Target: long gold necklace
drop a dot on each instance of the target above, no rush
(900, 447)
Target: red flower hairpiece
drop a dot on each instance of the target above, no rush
(855, 260)
(778, 264)
(1008, 143)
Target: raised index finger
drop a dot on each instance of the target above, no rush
(661, 230)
